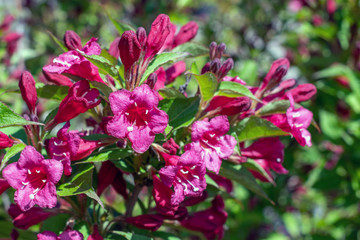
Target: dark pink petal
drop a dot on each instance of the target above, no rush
(303, 92)
(57, 79)
(114, 49)
(85, 69)
(92, 47)
(14, 175)
(29, 158)
(141, 139)
(150, 222)
(47, 235)
(71, 235)
(212, 161)
(158, 120)
(162, 196)
(72, 40)
(186, 33)
(222, 181)
(5, 141)
(95, 235)
(219, 125)
(129, 48)
(168, 175)
(179, 194)
(4, 185)
(54, 169)
(46, 197)
(160, 29)
(86, 147)
(117, 127)
(228, 106)
(271, 149)
(106, 176)
(174, 71)
(199, 128)
(171, 146)
(144, 96)
(120, 101)
(22, 198)
(28, 90)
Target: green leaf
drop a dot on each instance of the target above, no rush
(243, 176)
(92, 194)
(170, 93)
(10, 153)
(234, 89)
(52, 92)
(80, 182)
(253, 165)
(95, 137)
(208, 85)
(9, 118)
(120, 27)
(104, 65)
(159, 60)
(124, 164)
(102, 87)
(249, 71)
(108, 155)
(58, 42)
(274, 107)
(194, 49)
(254, 127)
(181, 111)
(104, 53)
(128, 236)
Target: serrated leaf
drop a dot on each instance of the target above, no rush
(170, 93)
(254, 127)
(120, 27)
(57, 41)
(234, 89)
(207, 84)
(104, 65)
(243, 176)
(80, 182)
(194, 49)
(9, 118)
(10, 153)
(161, 59)
(52, 92)
(275, 107)
(181, 111)
(108, 155)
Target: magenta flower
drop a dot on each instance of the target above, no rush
(208, 136)
(302, 92)
(136, 117)
(277, 71)
(34, 179)
(187, 177)
(80, 98)
(3, 185)
(162, 195)
(210, 221)
(108, 175)
(5, 141)
(66, 235)
(150, 222)
(129, 49)
(75, 64)
(69, 146)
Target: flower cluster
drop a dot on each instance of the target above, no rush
(146, 135)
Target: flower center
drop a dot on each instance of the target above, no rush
(137, 116)
(186, 176)
(37, 178)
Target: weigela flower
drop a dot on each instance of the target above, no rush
(136, 117)
(277, 71)
(162, 195)
(28, 90)
(34, 179)
(72, 40)
(3, 185)
(295, 122)
(129, 49)
(187, 177)
(75, 64)
(108, 175)
(208, 136)
(80, 98)
(69, 146)
(5, 141)
(95, 235)
(210, 221)
(150, 222)
(66, 235)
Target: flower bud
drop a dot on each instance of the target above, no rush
(220, 50)
(277, 71)
(226, 67)
(141, 36)
(114, 48)
(28, 90)
(186, 33)
(213, 47)
(215, 65)
(331, 6)
(57, 79)
(129, 48)
(151, 81)
(160, 30)
(206, 68)
(72, 40)
(303, 92)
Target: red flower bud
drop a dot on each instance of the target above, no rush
(28, 90)
(57, 79)
(220, 50)
(303, 92)
(72, 40)
(277, 71)
(215, 65)
(129, 48)
(152, 79)
(174, 71)
(4, 185)
(5, 25)
(226, 67)
(186, 33)
(150, 222)
(213, 47)
(141, 36)
(5, 141)
(160, 30)
(80, 98)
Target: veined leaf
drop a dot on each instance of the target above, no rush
(80, 182)
(208, 85)
(10, 153)
(104, 65)
(234, 89)
(58, 42)
(8, 118)
(52, 92)
(194, 49)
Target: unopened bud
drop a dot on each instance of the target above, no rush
(57, 79)
(121, 143)
(303, 92)
(186, 33)
(72, 40)
(151, 81)
(206, 68)
(5, 141)
(215, 65)
(129, 48)
(28, 90)
(141, 36)
(213, 47)
(277, 71)
(220, 50)
(226, 67)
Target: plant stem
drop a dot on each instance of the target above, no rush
(132, 200)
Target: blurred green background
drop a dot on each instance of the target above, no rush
(319, 198)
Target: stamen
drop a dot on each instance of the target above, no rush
(194, 188)
(29, 172)
(135, 104)
(37, 171)
(146, 122)
(278, 160)
(44, 180)
(61, 62)
(295, 115)
(193, 167)
(212, 135)
(298, 125)
(131, 128)
(84, 94)
(195, 176)
(127, 114)
(25, 183)
(147, 111)
(59, 155)
(185, 190)
(61, 143)
(184, 172)
(31, 196)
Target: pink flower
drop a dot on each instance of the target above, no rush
(187, 177)
(66, 235)
(34, 179)
(210, 221)
(75, 64)
(80, 98)
(162, 195)
(69, 146)
(186, 33)
(136, 117)
(150, 222)
(208, 136)
(5, 141)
